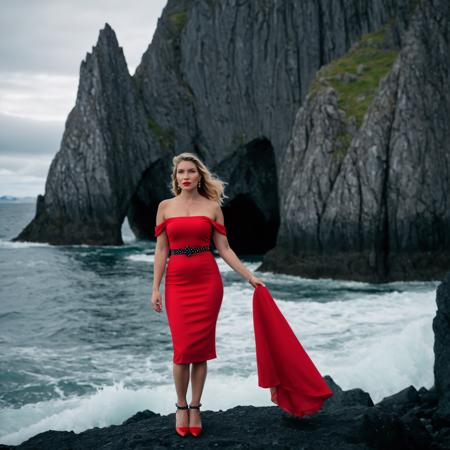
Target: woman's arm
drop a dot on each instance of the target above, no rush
(229, 256)
(159, 264)
(161, 251)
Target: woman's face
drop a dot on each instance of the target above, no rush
(187, 175)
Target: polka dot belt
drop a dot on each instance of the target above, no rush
(189, 251)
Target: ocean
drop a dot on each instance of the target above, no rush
(81, 347)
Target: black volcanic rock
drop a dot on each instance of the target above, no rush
(401, 402)
(441, 328)
(352, 422)
(343, 398)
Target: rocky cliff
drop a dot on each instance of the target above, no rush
(234, 75)
(87, 191)
(226, 80)
(369, 201)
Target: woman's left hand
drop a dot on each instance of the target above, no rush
(254, 281)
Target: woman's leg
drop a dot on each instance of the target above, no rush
(181, 378)
(198, 377)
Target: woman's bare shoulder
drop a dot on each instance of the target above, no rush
(166, 202)
(216, 210)
(163, 205)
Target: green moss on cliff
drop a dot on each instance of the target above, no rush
(372, 39)
(165, 137)
(356, 88)
(344, 140)
(178, 20)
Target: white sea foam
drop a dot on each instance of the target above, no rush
(142, 257)
(114, 404)
(362, 336)
(379, 342)
(21, 244)
(27, 244)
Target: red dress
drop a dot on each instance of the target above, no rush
(296, 385)
(193, 288)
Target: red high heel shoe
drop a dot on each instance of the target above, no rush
(195, 431)
(182, 431)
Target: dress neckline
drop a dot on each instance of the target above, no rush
(183, 217)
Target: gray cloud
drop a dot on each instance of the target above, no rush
(42, 44)
(21, 136)
(53, 36)
(37, 96)
(23, 176)
(27, 148)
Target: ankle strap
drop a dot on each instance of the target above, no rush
(195, 406)
(181, 407)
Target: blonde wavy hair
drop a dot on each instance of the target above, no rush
(211, 186)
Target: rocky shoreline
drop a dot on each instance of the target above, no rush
(409, 419)
(357, 266)
(349, 420)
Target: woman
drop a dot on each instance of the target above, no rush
(185, 225)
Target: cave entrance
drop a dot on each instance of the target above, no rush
(249, 231)
(153, 187)
(251, 209)
(251, 212)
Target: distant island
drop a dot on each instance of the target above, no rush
(12, 198)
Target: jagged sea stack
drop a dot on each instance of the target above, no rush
(105, 147)
(226, 80)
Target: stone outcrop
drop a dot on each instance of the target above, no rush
(350, 419)
(234, 74)
(217, 76)
(441, 328)
(104, 150)
(372, 204)
(334, 196)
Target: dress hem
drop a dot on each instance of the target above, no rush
(197, 360)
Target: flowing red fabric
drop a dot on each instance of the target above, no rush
(283, 365)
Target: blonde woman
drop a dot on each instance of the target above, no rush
(185, 225)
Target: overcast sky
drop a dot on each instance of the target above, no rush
(42, 44)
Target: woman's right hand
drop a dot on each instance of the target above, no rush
(156, 301)
(254, 281)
